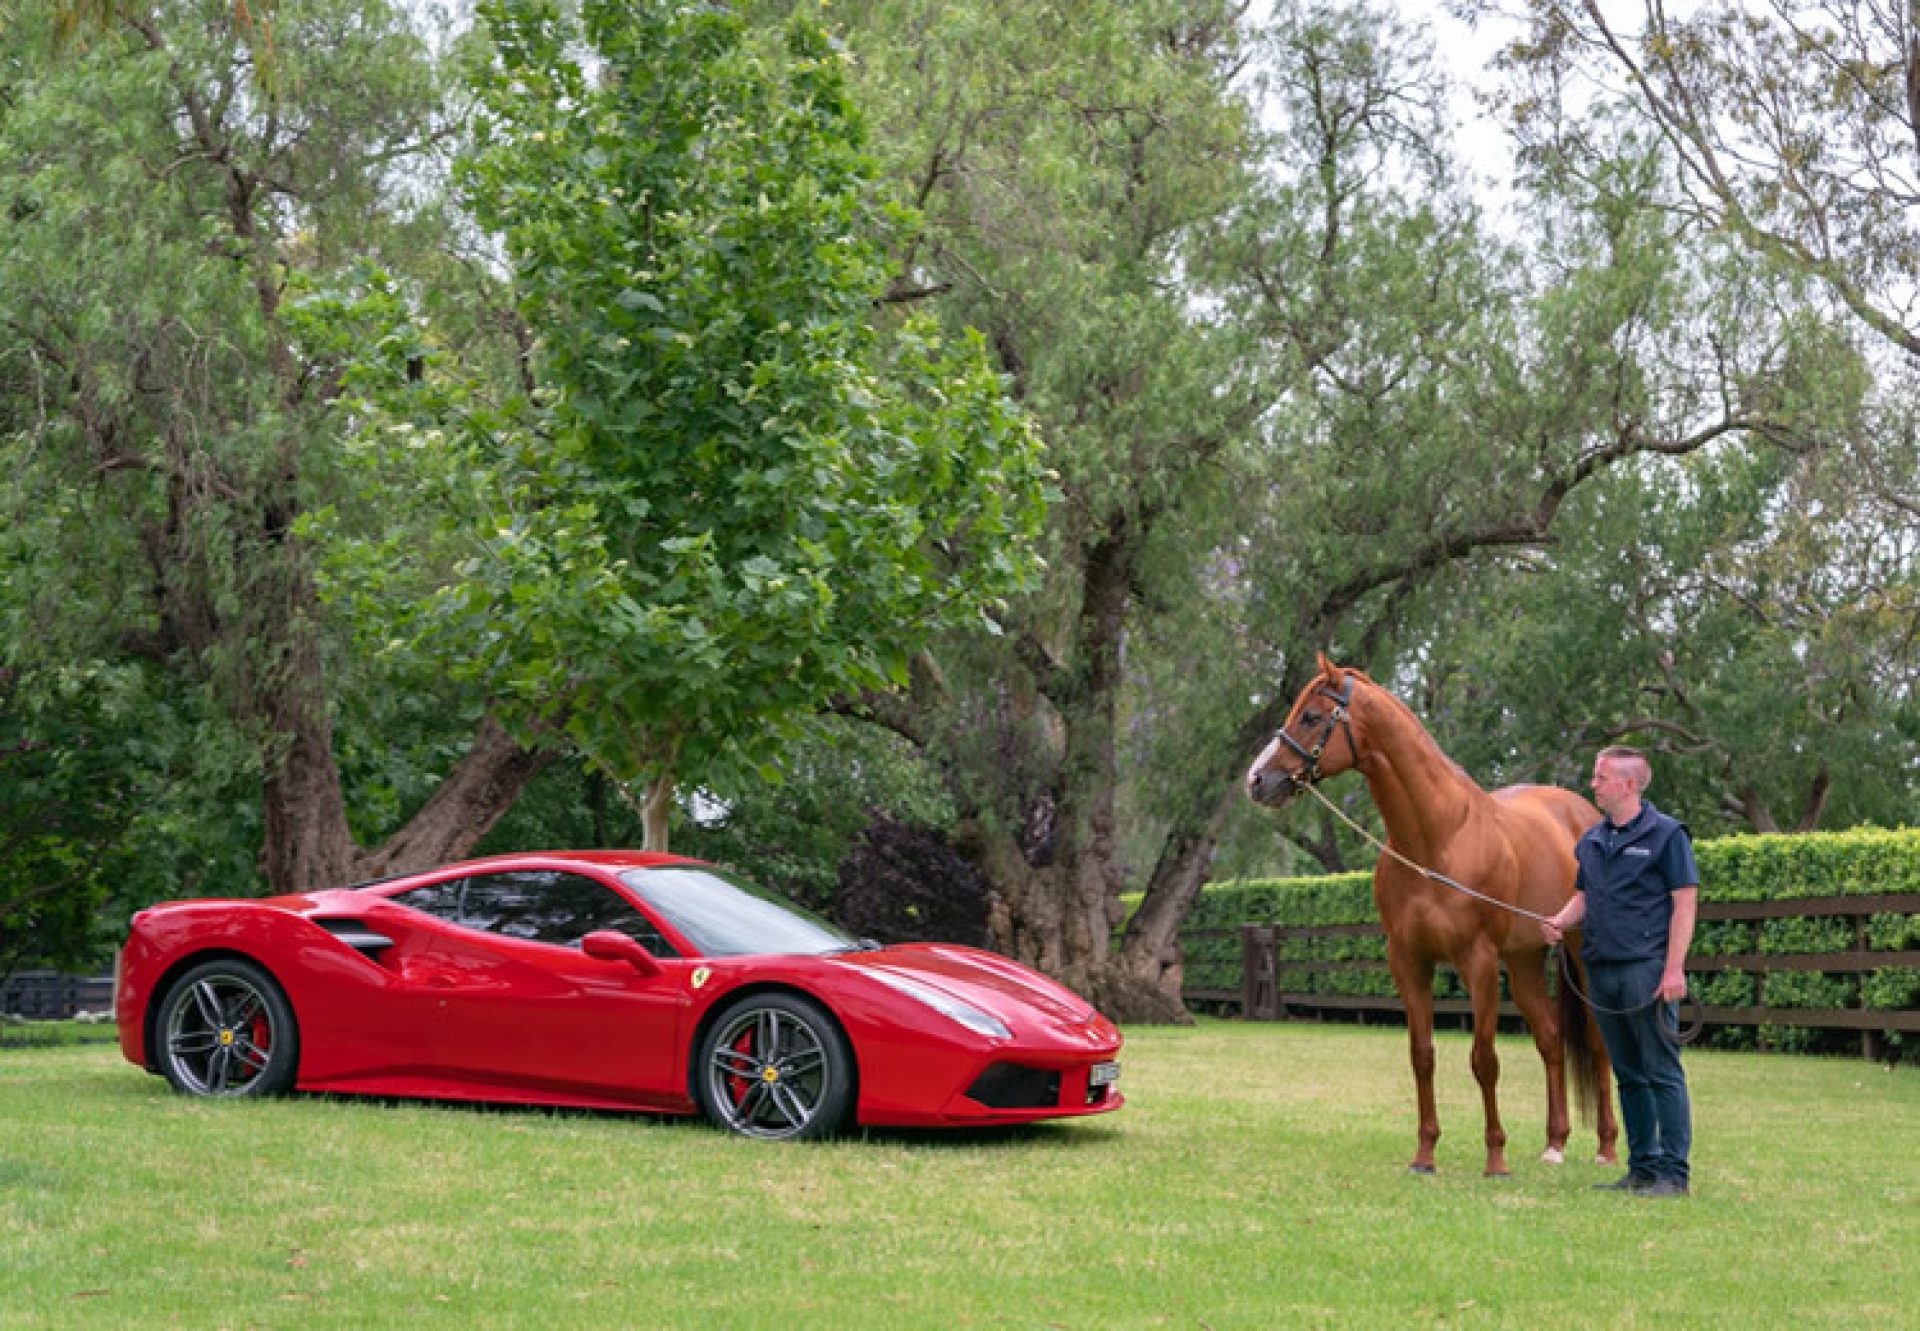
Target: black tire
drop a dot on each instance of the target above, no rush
(775, 1066)
(225, 1029)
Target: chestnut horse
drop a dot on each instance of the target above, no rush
(1507, 858)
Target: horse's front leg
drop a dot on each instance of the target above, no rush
(1481, 972)
(1413, 977)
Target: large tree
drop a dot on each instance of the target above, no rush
(1752, 617)
(176, 178)
(738, 484)
(1759, 610)
(1067, 158)
(1794, 125)
(1289, 380)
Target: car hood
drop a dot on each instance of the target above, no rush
(1008, 990)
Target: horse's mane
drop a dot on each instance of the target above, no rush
(1420, 727)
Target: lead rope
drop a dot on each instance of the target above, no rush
(1670, 1019)
(1421, 869)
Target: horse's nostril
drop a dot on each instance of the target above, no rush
(1264, 787)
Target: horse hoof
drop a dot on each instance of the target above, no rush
(1425, 1171)
(1553, 1156)
(1498, 1173)
(1604, 1159)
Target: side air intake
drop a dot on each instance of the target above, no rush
(356, 935)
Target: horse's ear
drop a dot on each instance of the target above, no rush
(1328, 668)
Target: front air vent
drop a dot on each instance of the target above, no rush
(1010, 1086)
(356, 935)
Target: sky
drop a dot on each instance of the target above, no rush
(1463, 52)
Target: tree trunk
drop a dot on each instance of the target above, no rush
(1149, 954)
(475, 795)
(1816, 803)
(309, 845)
(1747, 806)
(1150, 949)
(656, 812)
(306, 842)
(1056, 896)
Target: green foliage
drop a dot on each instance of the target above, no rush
(1742, 609)
(1859, 861)
(114, 793)
(1891, 987)
(790, 834)
(63, 781)
(735, 490)
(165, 412)
(1329, 899)
(834, 781)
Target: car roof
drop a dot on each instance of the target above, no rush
(539, 859)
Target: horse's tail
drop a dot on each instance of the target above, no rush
(1576, 1028)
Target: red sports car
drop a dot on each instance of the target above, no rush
(614, 980)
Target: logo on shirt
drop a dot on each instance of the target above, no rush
(1636, 850)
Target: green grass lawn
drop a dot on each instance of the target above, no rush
(1255, 1179)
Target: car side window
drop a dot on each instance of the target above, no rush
(549, 906)
(440, 900)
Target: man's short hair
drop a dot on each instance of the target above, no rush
(1632, 764)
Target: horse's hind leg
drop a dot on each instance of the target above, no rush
(1413, 977)
(1527, 979)
(1584, 1044)
(1608, 1127)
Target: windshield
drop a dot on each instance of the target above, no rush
(722, 918)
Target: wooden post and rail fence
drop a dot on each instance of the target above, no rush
(1272, 988)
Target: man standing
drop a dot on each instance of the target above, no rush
(1636, 894)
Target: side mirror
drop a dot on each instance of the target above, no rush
(606, 945)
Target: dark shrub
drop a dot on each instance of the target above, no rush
(905, 883)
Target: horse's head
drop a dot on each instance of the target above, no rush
(1305, 748)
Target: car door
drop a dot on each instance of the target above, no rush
(522, 1009)
(371, 1021)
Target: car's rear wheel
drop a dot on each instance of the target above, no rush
(226, 1029)
(776, 1065)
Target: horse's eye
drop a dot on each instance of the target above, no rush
(1310, 718)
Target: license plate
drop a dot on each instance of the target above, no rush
(1103, 1074)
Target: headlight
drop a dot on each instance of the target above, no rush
(954, 1009)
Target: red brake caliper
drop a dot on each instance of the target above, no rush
(260, 1035)
(738, 1086)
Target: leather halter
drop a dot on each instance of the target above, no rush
(1309, 772)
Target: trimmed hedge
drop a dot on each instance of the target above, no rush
(1862, 861)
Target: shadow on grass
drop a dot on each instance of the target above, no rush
(1075, 1134)
(1059, 1133)
(1065, 1133)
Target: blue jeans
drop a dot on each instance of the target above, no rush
(1639, 1034)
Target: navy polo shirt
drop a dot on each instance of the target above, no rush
(1629, 875)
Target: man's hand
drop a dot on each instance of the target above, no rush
(1673, 985)
(1555, 926)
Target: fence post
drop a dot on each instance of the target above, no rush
(1259, 990)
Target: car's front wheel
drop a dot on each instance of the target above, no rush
(775, 1065)
(226, 1029)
